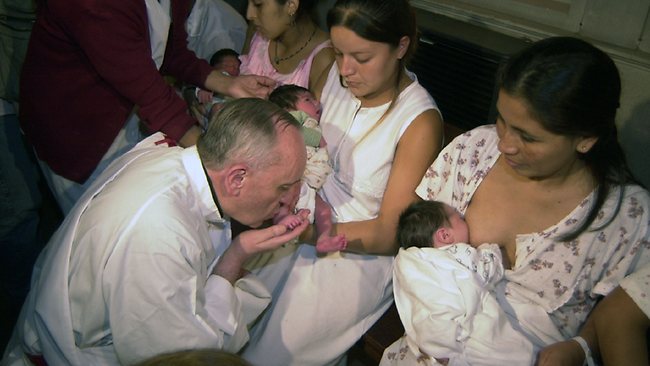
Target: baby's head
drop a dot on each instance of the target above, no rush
(227, 60)
(431, 224)
(296, 98)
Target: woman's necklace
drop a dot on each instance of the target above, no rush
(277, 60)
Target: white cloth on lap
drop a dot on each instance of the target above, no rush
(447, 309)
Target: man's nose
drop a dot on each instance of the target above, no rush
(290, 198)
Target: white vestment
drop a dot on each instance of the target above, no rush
(128, 274)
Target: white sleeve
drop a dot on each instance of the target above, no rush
(165, 298)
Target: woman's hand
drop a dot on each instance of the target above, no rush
(565, 353)
(251, 86)
(240, 86)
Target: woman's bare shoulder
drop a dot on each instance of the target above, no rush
(320, 66)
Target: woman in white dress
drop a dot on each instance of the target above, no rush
(383, 130)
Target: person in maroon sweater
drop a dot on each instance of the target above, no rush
(90, 65)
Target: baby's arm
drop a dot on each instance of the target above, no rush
(323, 219)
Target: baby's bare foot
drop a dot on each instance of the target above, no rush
(328, 244)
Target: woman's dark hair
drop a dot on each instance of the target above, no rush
(419, 221)
(305, 8)
(385, 21)
(573, 89)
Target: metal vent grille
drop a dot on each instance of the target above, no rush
(461, 78)
(457, 61)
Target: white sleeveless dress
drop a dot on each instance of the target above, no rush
(323, 304)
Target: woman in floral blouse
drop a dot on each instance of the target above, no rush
(550, 185)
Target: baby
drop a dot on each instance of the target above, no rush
(227, 61)
(435, 224)
(302, 104)
(442, 287)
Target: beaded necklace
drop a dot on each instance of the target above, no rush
(277, 60)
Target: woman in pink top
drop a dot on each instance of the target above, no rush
(286, 43)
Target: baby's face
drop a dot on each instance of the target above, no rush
(458, 225)
(229, 64)
(307, 103)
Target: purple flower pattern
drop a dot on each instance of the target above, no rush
(565, 278)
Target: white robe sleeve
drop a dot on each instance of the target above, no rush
(167, 298)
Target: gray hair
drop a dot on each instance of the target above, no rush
(244, 130)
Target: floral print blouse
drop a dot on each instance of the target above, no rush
(552, 281)
(637, 286)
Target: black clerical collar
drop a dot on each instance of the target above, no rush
(214, 194)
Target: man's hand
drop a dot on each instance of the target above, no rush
(254, 241)
(261, 240)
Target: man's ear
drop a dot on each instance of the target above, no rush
(236, 178)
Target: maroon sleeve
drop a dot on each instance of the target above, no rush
(114, 37)
(180, 61)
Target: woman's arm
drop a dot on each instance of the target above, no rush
(240, 86)
(416, 150)
(620, 330)
(615, 332)
(568, 352)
